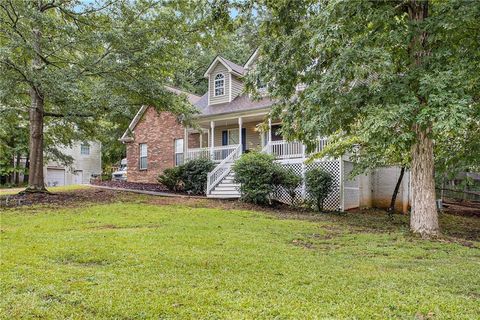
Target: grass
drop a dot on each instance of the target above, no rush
(10, 191)
(134, 260)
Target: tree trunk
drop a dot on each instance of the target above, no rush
(35, 177)
(391, 209)
(424, 218)
(27, 166)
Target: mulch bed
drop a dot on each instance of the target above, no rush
(132, 185)
(92, 195)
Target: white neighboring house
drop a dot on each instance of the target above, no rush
(87, 161)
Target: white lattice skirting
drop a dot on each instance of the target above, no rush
(345, 194)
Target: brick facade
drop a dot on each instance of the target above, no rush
(158, 131)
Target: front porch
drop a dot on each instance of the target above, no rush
(225, 140)
(218, 139)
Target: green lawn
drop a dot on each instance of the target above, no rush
(134, 260)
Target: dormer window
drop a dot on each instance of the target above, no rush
(219, 85)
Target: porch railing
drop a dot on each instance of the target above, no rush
(222, 169)
(217, 154)
(283, 149)
(197, 153)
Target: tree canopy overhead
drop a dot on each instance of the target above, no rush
(69, 64)
(386, 76)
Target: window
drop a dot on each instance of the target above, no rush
(143, 156)
(178, 152)
(219, 85)
(85, 149)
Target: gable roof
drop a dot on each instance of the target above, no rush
(231, 66)
(192, 98)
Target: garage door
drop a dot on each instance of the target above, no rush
(55, 177)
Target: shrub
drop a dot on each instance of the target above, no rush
(194, 175)
(319, 184)
(287, 179)
(172, 178)
(255, 172)
(190, 177)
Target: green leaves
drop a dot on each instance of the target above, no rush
(354, 61)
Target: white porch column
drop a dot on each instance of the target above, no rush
(201, 138)
(212, 139)
(240, 122)
(269, 130)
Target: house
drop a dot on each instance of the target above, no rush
(229, 124)
(87, 162)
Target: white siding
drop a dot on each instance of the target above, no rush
(237, 87)
(87, 164)
(252, 136)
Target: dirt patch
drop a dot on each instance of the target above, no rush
(462, 208)
(113, 227)
(62, 199)
(156, 187)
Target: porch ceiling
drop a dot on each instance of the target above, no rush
(232, 120)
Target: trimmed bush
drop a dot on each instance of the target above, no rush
(255, 172)
(190, 177)
(319, 184)
(194, 175)
(172, 178)
(287, 179)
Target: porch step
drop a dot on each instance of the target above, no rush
(226, 189)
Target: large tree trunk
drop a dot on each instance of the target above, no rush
(424, 218)
(35, 176)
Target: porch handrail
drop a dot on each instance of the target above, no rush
(283, 149)
(222, 169)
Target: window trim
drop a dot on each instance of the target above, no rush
(215, 84)
(140, 157)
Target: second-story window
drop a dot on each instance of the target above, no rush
(85, 149)
(219, 85)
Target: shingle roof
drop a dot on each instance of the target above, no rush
(235, 67)
(240, 103)
(192, 98)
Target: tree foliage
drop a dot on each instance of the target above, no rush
(391, 80)
(72, 64)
